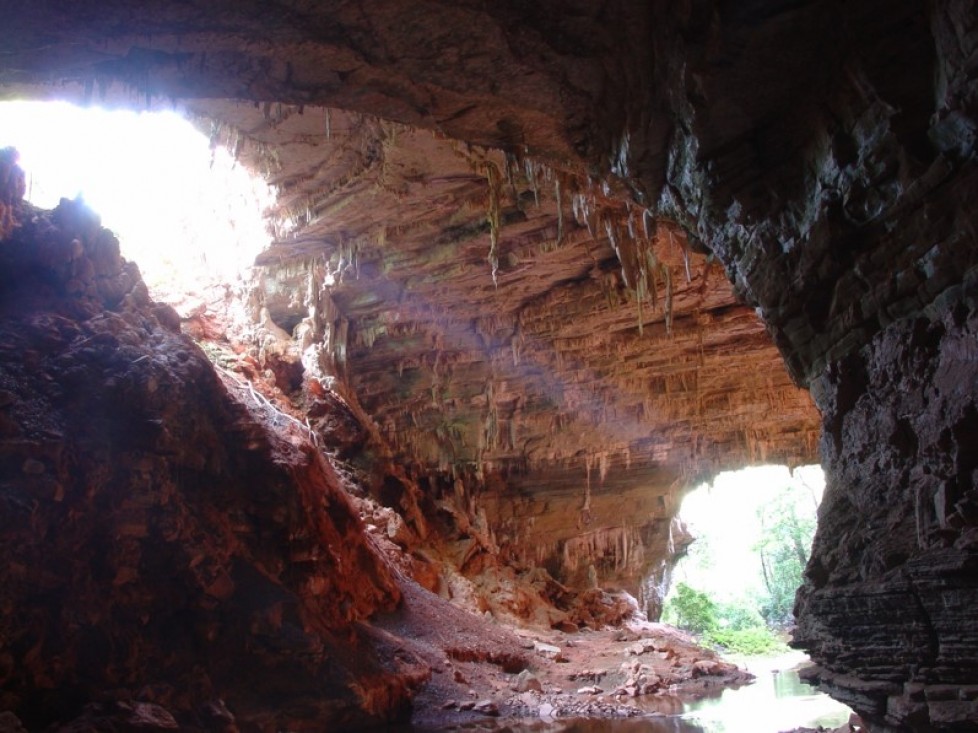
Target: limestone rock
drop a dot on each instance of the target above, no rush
(486, 707)
(886, 609)
(519, 358)
(548, 651)
(527, 681)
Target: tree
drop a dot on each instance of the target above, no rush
(692, 610)
(788, 526)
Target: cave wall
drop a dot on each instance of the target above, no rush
(822, 152)
(848, 223)
(517, 362)
(887, 603)
(165, 555)
(820, 200)
(887, 607)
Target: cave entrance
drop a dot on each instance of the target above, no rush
(735, 590)
(183, 210)
(753, 533)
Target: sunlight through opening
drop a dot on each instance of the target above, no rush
(182, 209)
(735, 588)
(740, 523)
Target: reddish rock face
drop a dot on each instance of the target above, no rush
(564, 399)
(540, 356)
(156, 539)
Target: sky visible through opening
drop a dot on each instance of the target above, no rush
(724, 517)
(184, 212)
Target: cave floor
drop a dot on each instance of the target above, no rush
(639, 669)
(484, 668)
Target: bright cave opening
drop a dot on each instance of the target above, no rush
(753, 532)
(734, 589)
(181, 206)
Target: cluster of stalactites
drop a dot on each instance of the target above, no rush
(612, 546)
(633, 232)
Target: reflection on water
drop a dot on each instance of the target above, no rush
(659, 724)
(777, 701)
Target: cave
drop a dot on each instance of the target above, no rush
(537, 270)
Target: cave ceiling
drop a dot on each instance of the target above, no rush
(552, 359)
(470, 251)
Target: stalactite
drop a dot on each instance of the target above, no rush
(531, 176)
(640, 293)
(493, 217)
(512, 170)
(516, 342)
(586, 507)
(491, 423)
(339, 350)
(635, 248)
(614, 546)
(367, 335)
(560, 211)
(667, 274)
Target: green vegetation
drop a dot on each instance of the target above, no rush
(735, 628)
(786, 540)
(691, 610)
(759, 640)
(740, 600)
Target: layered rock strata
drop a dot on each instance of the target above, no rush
(858, 249)
(179, 553)
(511, 366)
(889, 596)
(505, 317)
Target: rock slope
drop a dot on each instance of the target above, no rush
(158, 543)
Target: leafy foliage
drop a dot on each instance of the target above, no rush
(691, 610)
(743, 619)
(756, 640)
(736, 628)
(739, 616)
(783, 550)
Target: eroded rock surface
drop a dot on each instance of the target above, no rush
(159, 544)
(180, 555)
(887, 606)
(512, 368)
(550, 360)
